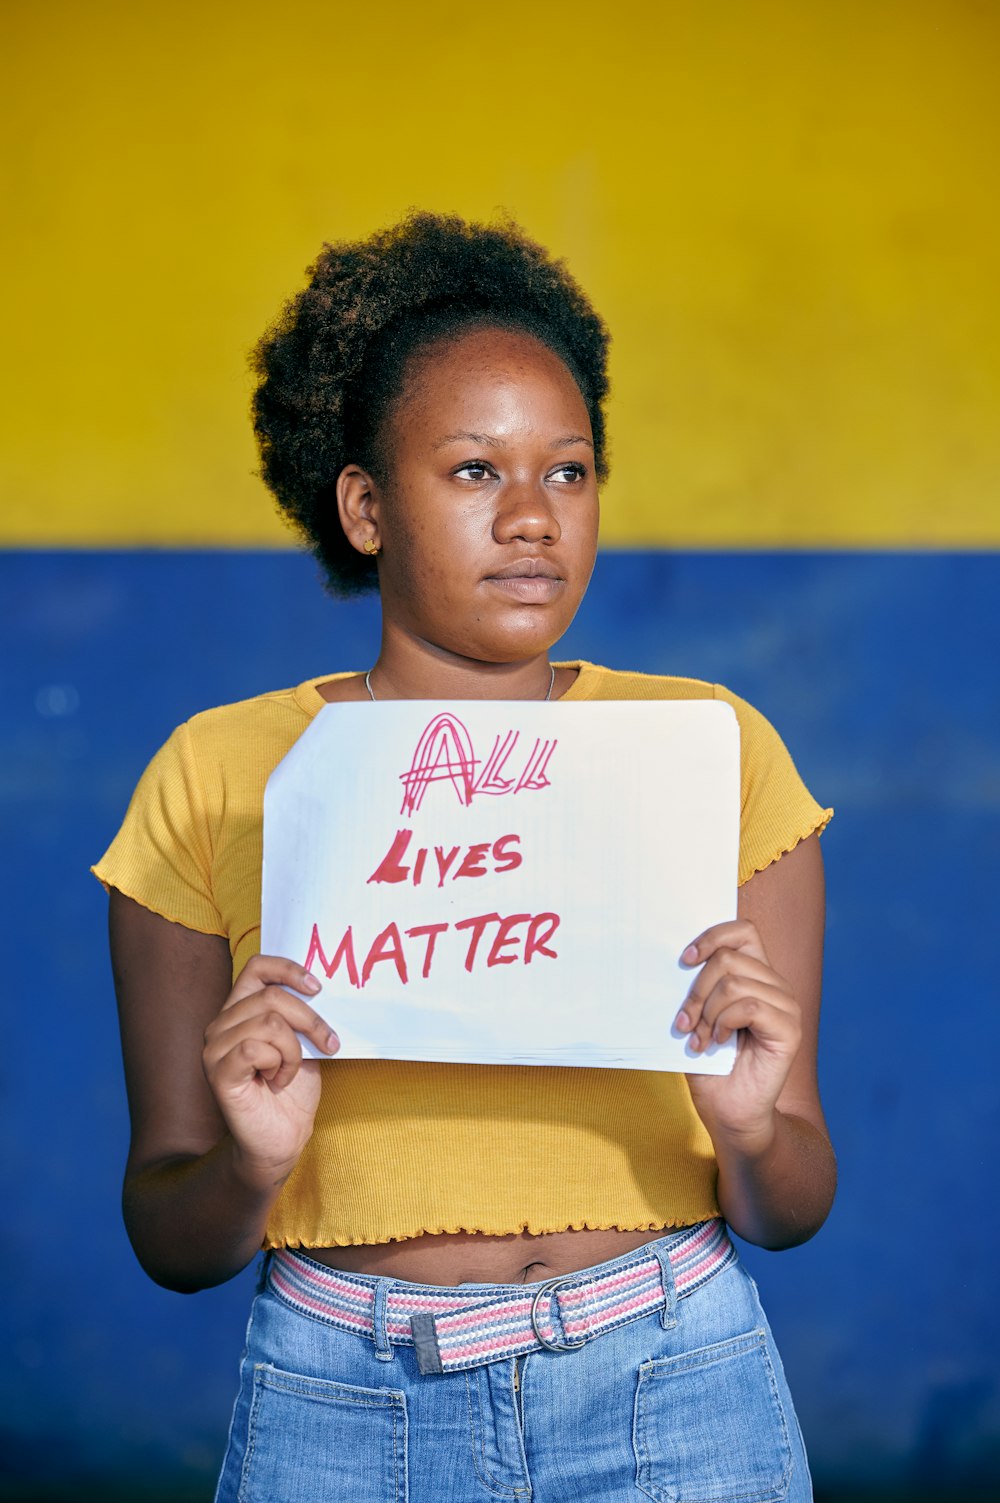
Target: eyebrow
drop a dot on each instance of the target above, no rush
(489, 441)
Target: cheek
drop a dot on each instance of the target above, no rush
(441, 546)
(420, 561)
(582, 531)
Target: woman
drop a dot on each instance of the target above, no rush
(430, 415)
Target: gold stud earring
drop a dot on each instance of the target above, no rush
(371, 547)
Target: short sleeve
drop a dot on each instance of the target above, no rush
(776, 808)
(162, 855)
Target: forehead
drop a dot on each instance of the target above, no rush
(475, 365)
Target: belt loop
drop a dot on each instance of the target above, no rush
(660, 1251)
(383, 1347)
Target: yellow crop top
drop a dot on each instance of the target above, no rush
(399, 1147)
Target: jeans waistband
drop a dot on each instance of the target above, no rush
(453, 1328)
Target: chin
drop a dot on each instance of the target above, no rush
(530, 631)
(516, 647)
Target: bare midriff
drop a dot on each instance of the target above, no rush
(472, 1258)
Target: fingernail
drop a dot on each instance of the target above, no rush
(332, 1043)
(683, 1022)
(310, 984)
(694, 1043)
(690, 956)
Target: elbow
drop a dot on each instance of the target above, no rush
(801, 1222)
(165, 1268)
(175, 1282)
(788, 1218)
(172, 1255)
(781, 1239)
(174, 1274)
(776, 1236)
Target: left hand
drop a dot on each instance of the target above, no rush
(737, 990)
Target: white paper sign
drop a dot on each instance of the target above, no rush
(492, 882)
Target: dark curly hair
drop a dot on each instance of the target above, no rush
(332, 365)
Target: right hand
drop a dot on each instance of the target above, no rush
(266, 1091)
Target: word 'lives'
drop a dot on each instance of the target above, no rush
(497, 853)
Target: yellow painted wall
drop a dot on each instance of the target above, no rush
(788, 210)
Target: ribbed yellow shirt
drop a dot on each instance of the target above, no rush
(399, 1147)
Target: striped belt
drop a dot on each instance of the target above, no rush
(453, 1328)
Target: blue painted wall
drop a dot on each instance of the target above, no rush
(880, 670)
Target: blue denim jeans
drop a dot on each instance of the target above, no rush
(686, 1405)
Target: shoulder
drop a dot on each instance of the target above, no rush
(595, 682)
(222, 757)
(261, 729)
(277, 710)
(197, 807)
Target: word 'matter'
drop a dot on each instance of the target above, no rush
(388, 946)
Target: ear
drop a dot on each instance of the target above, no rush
(357, 503)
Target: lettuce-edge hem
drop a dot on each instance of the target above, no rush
(816, 828)
(161, 912)
(476, 1228)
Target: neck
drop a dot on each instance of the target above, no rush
(410, 670)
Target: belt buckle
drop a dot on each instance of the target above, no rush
(550, 1287)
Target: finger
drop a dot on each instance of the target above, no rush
(248, 1060)
(766, 1012)
(772, 1028)
(271, 970)
(303, 1018)
(268, 1010)
(274, 1050)
(725, 965)
(735, 934)
(735, 989)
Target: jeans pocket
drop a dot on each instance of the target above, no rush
(710, 1428)
(309, 1438)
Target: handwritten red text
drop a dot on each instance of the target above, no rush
(488, 940)
(454, 862)
(445, 754)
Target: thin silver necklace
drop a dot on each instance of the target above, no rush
(371, 692)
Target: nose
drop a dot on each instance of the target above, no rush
(525, 514)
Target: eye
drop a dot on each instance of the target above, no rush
(475, 469)
(568, 474)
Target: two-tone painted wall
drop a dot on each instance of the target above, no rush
(785, 214)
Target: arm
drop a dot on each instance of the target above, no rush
(762, 974)
(220, 1099)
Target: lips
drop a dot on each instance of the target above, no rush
(532, 581)
(526, 568)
